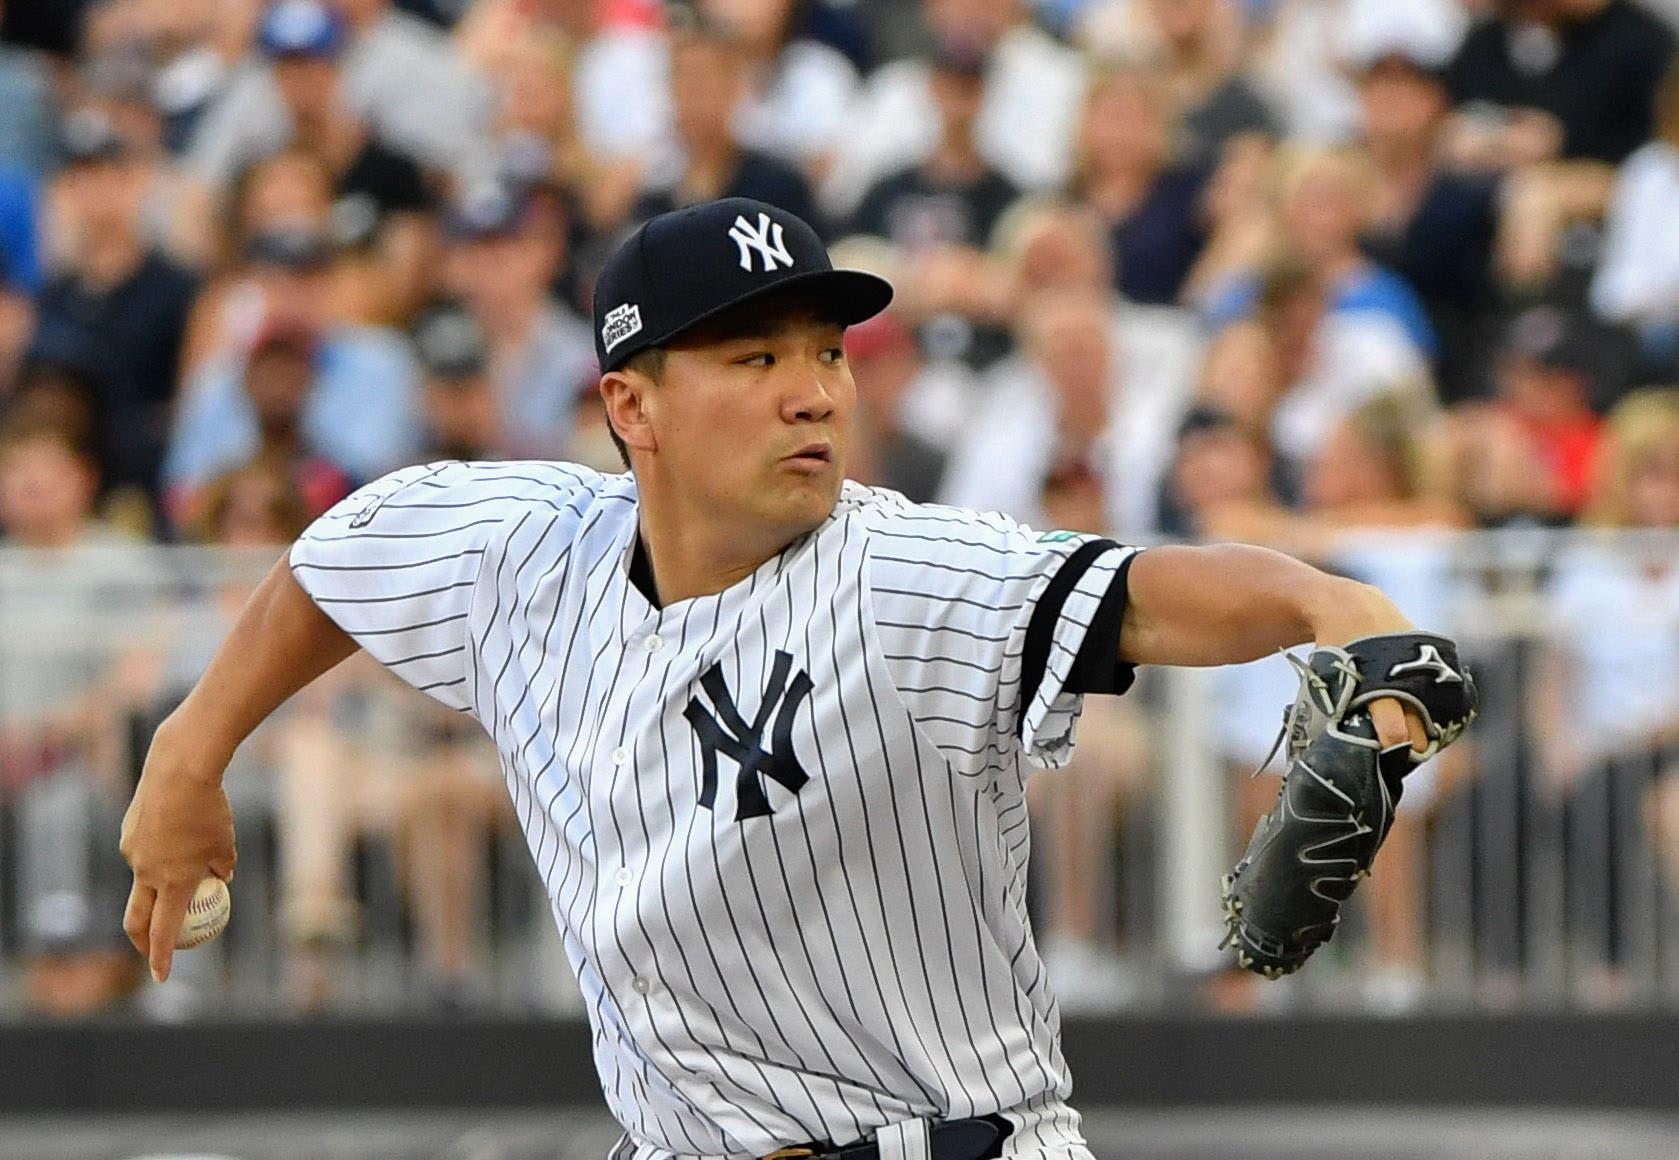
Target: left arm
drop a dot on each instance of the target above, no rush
(1226, 604)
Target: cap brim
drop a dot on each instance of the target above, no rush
(846, 296)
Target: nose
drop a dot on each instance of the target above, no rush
(809, 401)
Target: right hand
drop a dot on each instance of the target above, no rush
(178, 831)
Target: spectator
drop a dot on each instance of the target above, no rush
(286, 195)
(1300, 62)
(380, 196)
(1324, 207)
(26, 93)
(1369, 510)
(183, 53)
(1067, 408)
(362, 414)
(1048, 245)
(503, 251)
(620, 85)
(799, 92)
(120, 306)
(72, 613)
(1530, 454)
(20, 262)
(1219, 461)
(1570, 79)
(1027, 119)
(1329, 361)
(17, 326)
(1242, 377)
(953, 197)
(894, 381)
(1433, 227)
(462, 418)
(1198, 44)
(1637, 279)
(398, 73)
(279, 376)
(1126, 171)
(539, 139)
(708, 83)
(1611, 662)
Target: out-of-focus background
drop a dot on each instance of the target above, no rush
(1392, 285)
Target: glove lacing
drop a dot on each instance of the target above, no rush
(1314, 694)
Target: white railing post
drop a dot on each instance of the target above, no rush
(1194, 815)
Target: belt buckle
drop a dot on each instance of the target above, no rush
(789, 1153)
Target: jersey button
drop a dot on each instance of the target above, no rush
(640, 985)
(620, 756)
(623, 877)
(653, 643)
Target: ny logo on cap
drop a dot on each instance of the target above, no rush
(764, 239)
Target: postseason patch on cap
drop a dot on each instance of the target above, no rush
(621, 322)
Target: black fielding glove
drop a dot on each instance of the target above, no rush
(1283, 898)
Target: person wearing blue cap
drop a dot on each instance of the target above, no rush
(387, 68)
(767, 731)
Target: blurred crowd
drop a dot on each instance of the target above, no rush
(1295, 272)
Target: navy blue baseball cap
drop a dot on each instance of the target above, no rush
(681, 268)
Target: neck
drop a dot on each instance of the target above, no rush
(1116, 193)
(111, 258)
(510, 322)
(695, 553)
(58, 536)
(710, 162)
(1402, 157)
(955, 159)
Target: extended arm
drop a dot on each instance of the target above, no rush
(178, 828)
(1229, 603)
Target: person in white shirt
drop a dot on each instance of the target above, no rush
(799, 92)
(1066, 402)
(1033, 90)
(1637, 278)
(1611, 664)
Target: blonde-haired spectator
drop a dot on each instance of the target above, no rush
(1127, 168)
(1199, 45)
(1608, 696)
(1370, 508)
(1321, 205)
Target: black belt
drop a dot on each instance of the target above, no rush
(974, 1139)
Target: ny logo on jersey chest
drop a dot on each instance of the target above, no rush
(728, 734)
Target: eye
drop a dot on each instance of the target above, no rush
(762, 358)
(833, 355)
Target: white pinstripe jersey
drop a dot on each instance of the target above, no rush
(782, 827)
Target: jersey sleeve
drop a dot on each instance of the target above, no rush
(993, 633)
(396, 564)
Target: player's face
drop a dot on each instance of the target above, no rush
(753, 415)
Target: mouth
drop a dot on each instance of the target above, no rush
(812, 456)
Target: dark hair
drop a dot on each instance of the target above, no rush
(649, 362)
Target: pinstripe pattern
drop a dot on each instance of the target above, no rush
(860, 955)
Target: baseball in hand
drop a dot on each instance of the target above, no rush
(211, 907)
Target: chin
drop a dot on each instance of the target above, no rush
(805, 505)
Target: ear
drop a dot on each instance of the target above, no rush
(625, 394)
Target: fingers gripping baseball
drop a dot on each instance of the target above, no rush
(178, 830)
